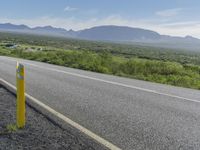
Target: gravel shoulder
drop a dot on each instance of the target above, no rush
(40, 131)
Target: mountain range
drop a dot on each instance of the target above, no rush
(112, 33)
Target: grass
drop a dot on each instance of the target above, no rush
(173, 73)
(172, 67)
(11, 128)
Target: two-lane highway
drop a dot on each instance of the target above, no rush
(129, 113)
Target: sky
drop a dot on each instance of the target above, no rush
(171, 17)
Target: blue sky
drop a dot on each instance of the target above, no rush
(173, 17)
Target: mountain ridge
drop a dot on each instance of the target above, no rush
(111, 33)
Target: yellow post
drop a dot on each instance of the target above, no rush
(20, 84)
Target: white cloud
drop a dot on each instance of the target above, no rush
(68, 8)
(169, 12)
(179, 24)
(162, 26)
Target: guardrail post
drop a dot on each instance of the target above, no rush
(20, 84)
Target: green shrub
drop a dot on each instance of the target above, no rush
(185, 75)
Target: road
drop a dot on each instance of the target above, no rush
(129, 113)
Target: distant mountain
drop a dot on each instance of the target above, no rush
(118, 33)
(46, 30)
(139, 36)
(114, 34)
(49, 29)
(9, 26)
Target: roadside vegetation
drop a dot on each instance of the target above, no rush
(157, 65)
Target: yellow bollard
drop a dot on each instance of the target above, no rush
(20, 84)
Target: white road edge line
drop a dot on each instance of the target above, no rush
(66, 119)
(114, 83)
(106, 81)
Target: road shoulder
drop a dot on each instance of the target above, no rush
(41, 131)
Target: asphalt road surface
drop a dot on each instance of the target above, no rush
(129, 113)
